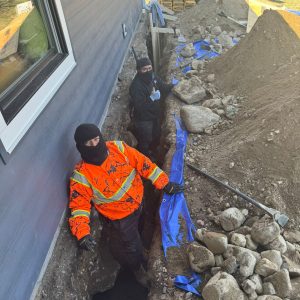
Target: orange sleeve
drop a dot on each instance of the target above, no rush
(80, 198)
(145, 167)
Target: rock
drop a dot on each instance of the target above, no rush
(238, 240)
(219, 112)
(265, 267)
(230, 111)
(228, 100)
(247, 263)
(225, 40)
(281, 282)
(258, 282)
(230, 265)
(200, 223)
(274, 256)
(216, 30)
(188, 50)
(219, 260)
(268, 297)
(250, 221)
(197, 118)
(191, 73)
(292, 236)
(295, 294)
(292, 261)
(268, 288)
(199, 235)
(200, 258)
(222, 286)
(249, 286)
(218, 48)
(250, 244)
(212, 103)
(215, 270)
(210, 78)
(244, 230)
(197, 64)
(199, 29)
(237, 251)
(215, 242)
(265, 230)
(231, 219)
(278, 244)
(190, 90)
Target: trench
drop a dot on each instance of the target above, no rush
(126, 286)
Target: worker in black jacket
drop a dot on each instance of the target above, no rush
(147, 91)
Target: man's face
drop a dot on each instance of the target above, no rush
(146, 69)
(92, 142)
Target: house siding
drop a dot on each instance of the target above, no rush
(33, 183)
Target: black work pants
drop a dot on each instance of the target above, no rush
(124, 240)
(148, 135)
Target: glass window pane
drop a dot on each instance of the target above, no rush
(24, 40)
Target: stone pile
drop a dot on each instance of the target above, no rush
(218, 39)
(252, 258)
(204, 108)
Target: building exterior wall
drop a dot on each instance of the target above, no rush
(33, 183)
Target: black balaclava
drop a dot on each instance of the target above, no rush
(147, 77)
(95, 155)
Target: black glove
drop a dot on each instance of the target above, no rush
(87, 243)
(173, 188)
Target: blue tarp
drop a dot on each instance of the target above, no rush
(174, 210)
(201, 53)
(174, 206)
(294, 11)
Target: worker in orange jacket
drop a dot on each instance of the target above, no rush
(109, 177)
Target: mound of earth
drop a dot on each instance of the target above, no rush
(268, 48)
(259, 153)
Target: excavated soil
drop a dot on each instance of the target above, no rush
(269, 48)
(257, 152)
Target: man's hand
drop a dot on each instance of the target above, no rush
(173, 188)
(87, 243)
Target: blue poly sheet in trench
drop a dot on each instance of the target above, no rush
(294, 11)
(174, 207)
(201, 53)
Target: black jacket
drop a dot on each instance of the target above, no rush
(144, 109)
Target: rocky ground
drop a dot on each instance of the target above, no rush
(241, 111)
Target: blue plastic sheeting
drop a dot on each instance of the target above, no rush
(294, 11)
(202, 52)
(174, 206)
(175, 81)
(188, 284)
(157, 14)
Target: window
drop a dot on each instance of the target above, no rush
(35, 59)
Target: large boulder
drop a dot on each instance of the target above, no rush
(197, 118)
(215, 242)
(237, 251)
(265, 230)
(190, 90)
(292, 236)
(222, 286)
(281, 282)
(274, 256)
(231, 219)
(200, 257)
(265, 267)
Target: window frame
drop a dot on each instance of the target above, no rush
(12, 133)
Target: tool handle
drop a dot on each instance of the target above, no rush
(244, 196)
(134, 54)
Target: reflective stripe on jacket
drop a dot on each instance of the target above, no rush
(115, 188)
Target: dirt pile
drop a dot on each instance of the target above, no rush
(259, 151)
(269, 47)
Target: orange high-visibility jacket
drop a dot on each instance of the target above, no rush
(115, 188)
